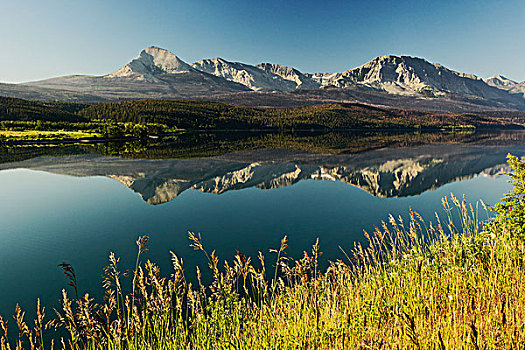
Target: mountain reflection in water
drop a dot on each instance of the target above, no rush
(48, 218)
(411, 165)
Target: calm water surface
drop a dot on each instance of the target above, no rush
(79, 206)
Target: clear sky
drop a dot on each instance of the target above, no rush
(41, 39)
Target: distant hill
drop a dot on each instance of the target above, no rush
(391, 81)
(509, 85)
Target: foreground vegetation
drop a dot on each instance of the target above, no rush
(15, 132)
(41, 135)
(453, 284)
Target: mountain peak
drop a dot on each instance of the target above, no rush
(501, 82)
(152, 61)
(155, 48)
(290, 74)
(398, 58)
(158, 73)
(500, 77)
(250, 76)
(407, 75)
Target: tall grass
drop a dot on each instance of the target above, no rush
(452, 284)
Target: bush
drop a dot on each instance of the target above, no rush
(510, 221)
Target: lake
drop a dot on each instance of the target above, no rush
(241, 191)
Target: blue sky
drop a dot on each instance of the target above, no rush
(42, 39)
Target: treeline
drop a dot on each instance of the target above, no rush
(181, 113)
(18, 109)
(214, 115)
(189, 114)
(98, 128)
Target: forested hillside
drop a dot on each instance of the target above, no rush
(190, 114)
(213, 115)
(24, 110)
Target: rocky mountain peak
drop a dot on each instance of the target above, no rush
(153, 61)
(250, 76)
(166, 60)
(501, 82)
(291, 74)
(219, 60)
(408, 75)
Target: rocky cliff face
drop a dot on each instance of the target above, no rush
(301, 80)
(500, 82)
(152, 61)
(323, 79)
(412, 75)
(245, 74)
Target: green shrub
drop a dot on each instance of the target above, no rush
(511, 210)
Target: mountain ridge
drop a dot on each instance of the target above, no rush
(158, 73)
(250, 76)
(411, 75)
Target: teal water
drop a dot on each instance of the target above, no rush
(47, 219)
(71, 208)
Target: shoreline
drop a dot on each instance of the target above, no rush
(96, 140)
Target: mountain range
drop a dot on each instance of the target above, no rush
(396, 81)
